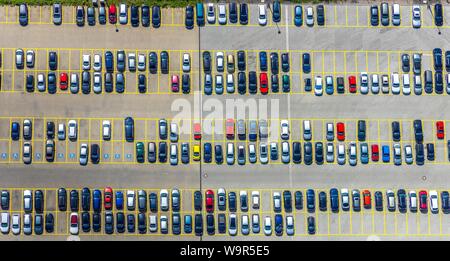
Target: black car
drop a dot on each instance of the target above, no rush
(5, 200)
(50, 130)
(243, 13)
(218, 154)
(95, 153)
(296, 152)
(396, 131)
(153, 199)
(241, 60)
(198, 200)
(189, 17)
(310, 201)
(438, 18)
(80, 16)
(430, 151)
(232, 201)
(198, 220)
(252, 82)
(164, 62)
(142, 83)
(437, 59)
(74, 200)
(307, 151)
(130, 223)
(153, 62)
(206, 62)
(438, 82)
(91, 16)
(49, 223)
(420, 154)
(186, 83)
(109, 223)
(418, 132)
(129, 129)
(207, 152)
(120, 222)
(96, 222)
(445, 202)
(142, 223)
(340, 84)
(30, 83)
(242, 83)
(274, 64)
(38, 224)
(374, 17)
(221, 223)
(145, 15)
(39, 201)
(52, 61)
(298, 198)
(51, 81)
(405, 63)
(319, 153)
(402, 205)
(210, 226)
(109, 82)
(134, 10)
(176, 223)
(162, 156)
(323, 201)
(285, 62)
(378, 201)
(287, 201)
(311, 225)
(448, 150)
(62, 199)
(86, 199)
(232, 12)
(156, 16)
(276, 11)
(85, 221)
(274, 83)
(320, 15)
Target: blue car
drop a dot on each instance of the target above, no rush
(109, 61)
(263, 61)
(310, 200)
(298, 15)
(119, 200)
(207, 152)
(15, 131)
(97, 200)
(385, 153)
(334, 200)
(306, 63)
(437, 59)
(278, 224)
(364, 152)
(129, 129)
(187, 224)
(329, 85)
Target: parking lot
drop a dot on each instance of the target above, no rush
(347, 45)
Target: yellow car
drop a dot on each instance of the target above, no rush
(196, 152)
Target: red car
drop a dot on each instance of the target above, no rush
(423, 200)
(440, 129)
(175, 83)
(63, 80)
(352, 84)
(263, 85)
(108, 197)
(375, 152)
(340, 129)
(197, 131)
(209, 201)
(112, 14)
(367, 199)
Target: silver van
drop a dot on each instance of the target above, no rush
(230, 153)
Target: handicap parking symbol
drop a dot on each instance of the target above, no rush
(117, 156)
(106, 156)
(128, 156)
(60, 155)
(4, 155)
(15, 155)
(72, 155)
(38, 155)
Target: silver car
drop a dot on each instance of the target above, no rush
(309, 16)
(84, 154)
(255, 224)
(416, 16)
(245, 225)
(263, 154)
(97, 82)
(164, 199)
(173, 154)
(123, 14)
(330, 131)
(27, 152)
(41, 82)
(30, 58)
(408, 154)
(290, 230)
(27, 224)
(252, 153)
(352, 159)
(397, 154)
(57, 14)
(141, 62)
(341, 154)
(15, 225)
(74, 83)
(375, 83)
(285, 153)
(330, 152)
(27, 201)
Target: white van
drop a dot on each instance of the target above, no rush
(230, 153)
(395, 83)
(106, 130)
(406, 84)
(307, 130)
(173, 132)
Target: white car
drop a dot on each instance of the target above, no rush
(15, 226)
(375, 84)
(222, 14)
(385, 83)
(309, 16)
(123, 14)
(263, 153)
(74, 223)
(27, 201)
(262, 18)
(345, 199)
(27, 224)
(290, 230)
(285, 129)
(164, 199)
(30, 58)
(211, 14)
(330, 152)
(406, 85)
(352, 159)
(131, 199)
(318, 86)
(232, 228)
(395, 83)
(219, 61)
(277, 201)
(255, 224)
(267, 226)
(97, 83)
(255, 199)
(408, 154)
(416, 16)
(4, 224)
(61, 131)
(83, 154)
(86, 62)
(73, 130)
(27, 152)
(106, 130)
(153, 223)
(434, 201)
(164, 224)
(364, 83)
(341, 154)
(97, 63)
(41, 82)
(132, 61)
(141, 62)
(245, 225)
(186, 63)
(413, 201)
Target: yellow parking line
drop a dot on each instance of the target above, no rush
(346, 15)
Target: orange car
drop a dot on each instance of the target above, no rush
(440, 130)
(367, 199)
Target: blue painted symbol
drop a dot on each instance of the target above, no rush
(60, 155)
(106, 156)
(4, 155)
(72, 155)
(117, 156)
(15, 155)
(128, 156)
(38, 155)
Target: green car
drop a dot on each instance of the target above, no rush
(286, 83)
(140, 152)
